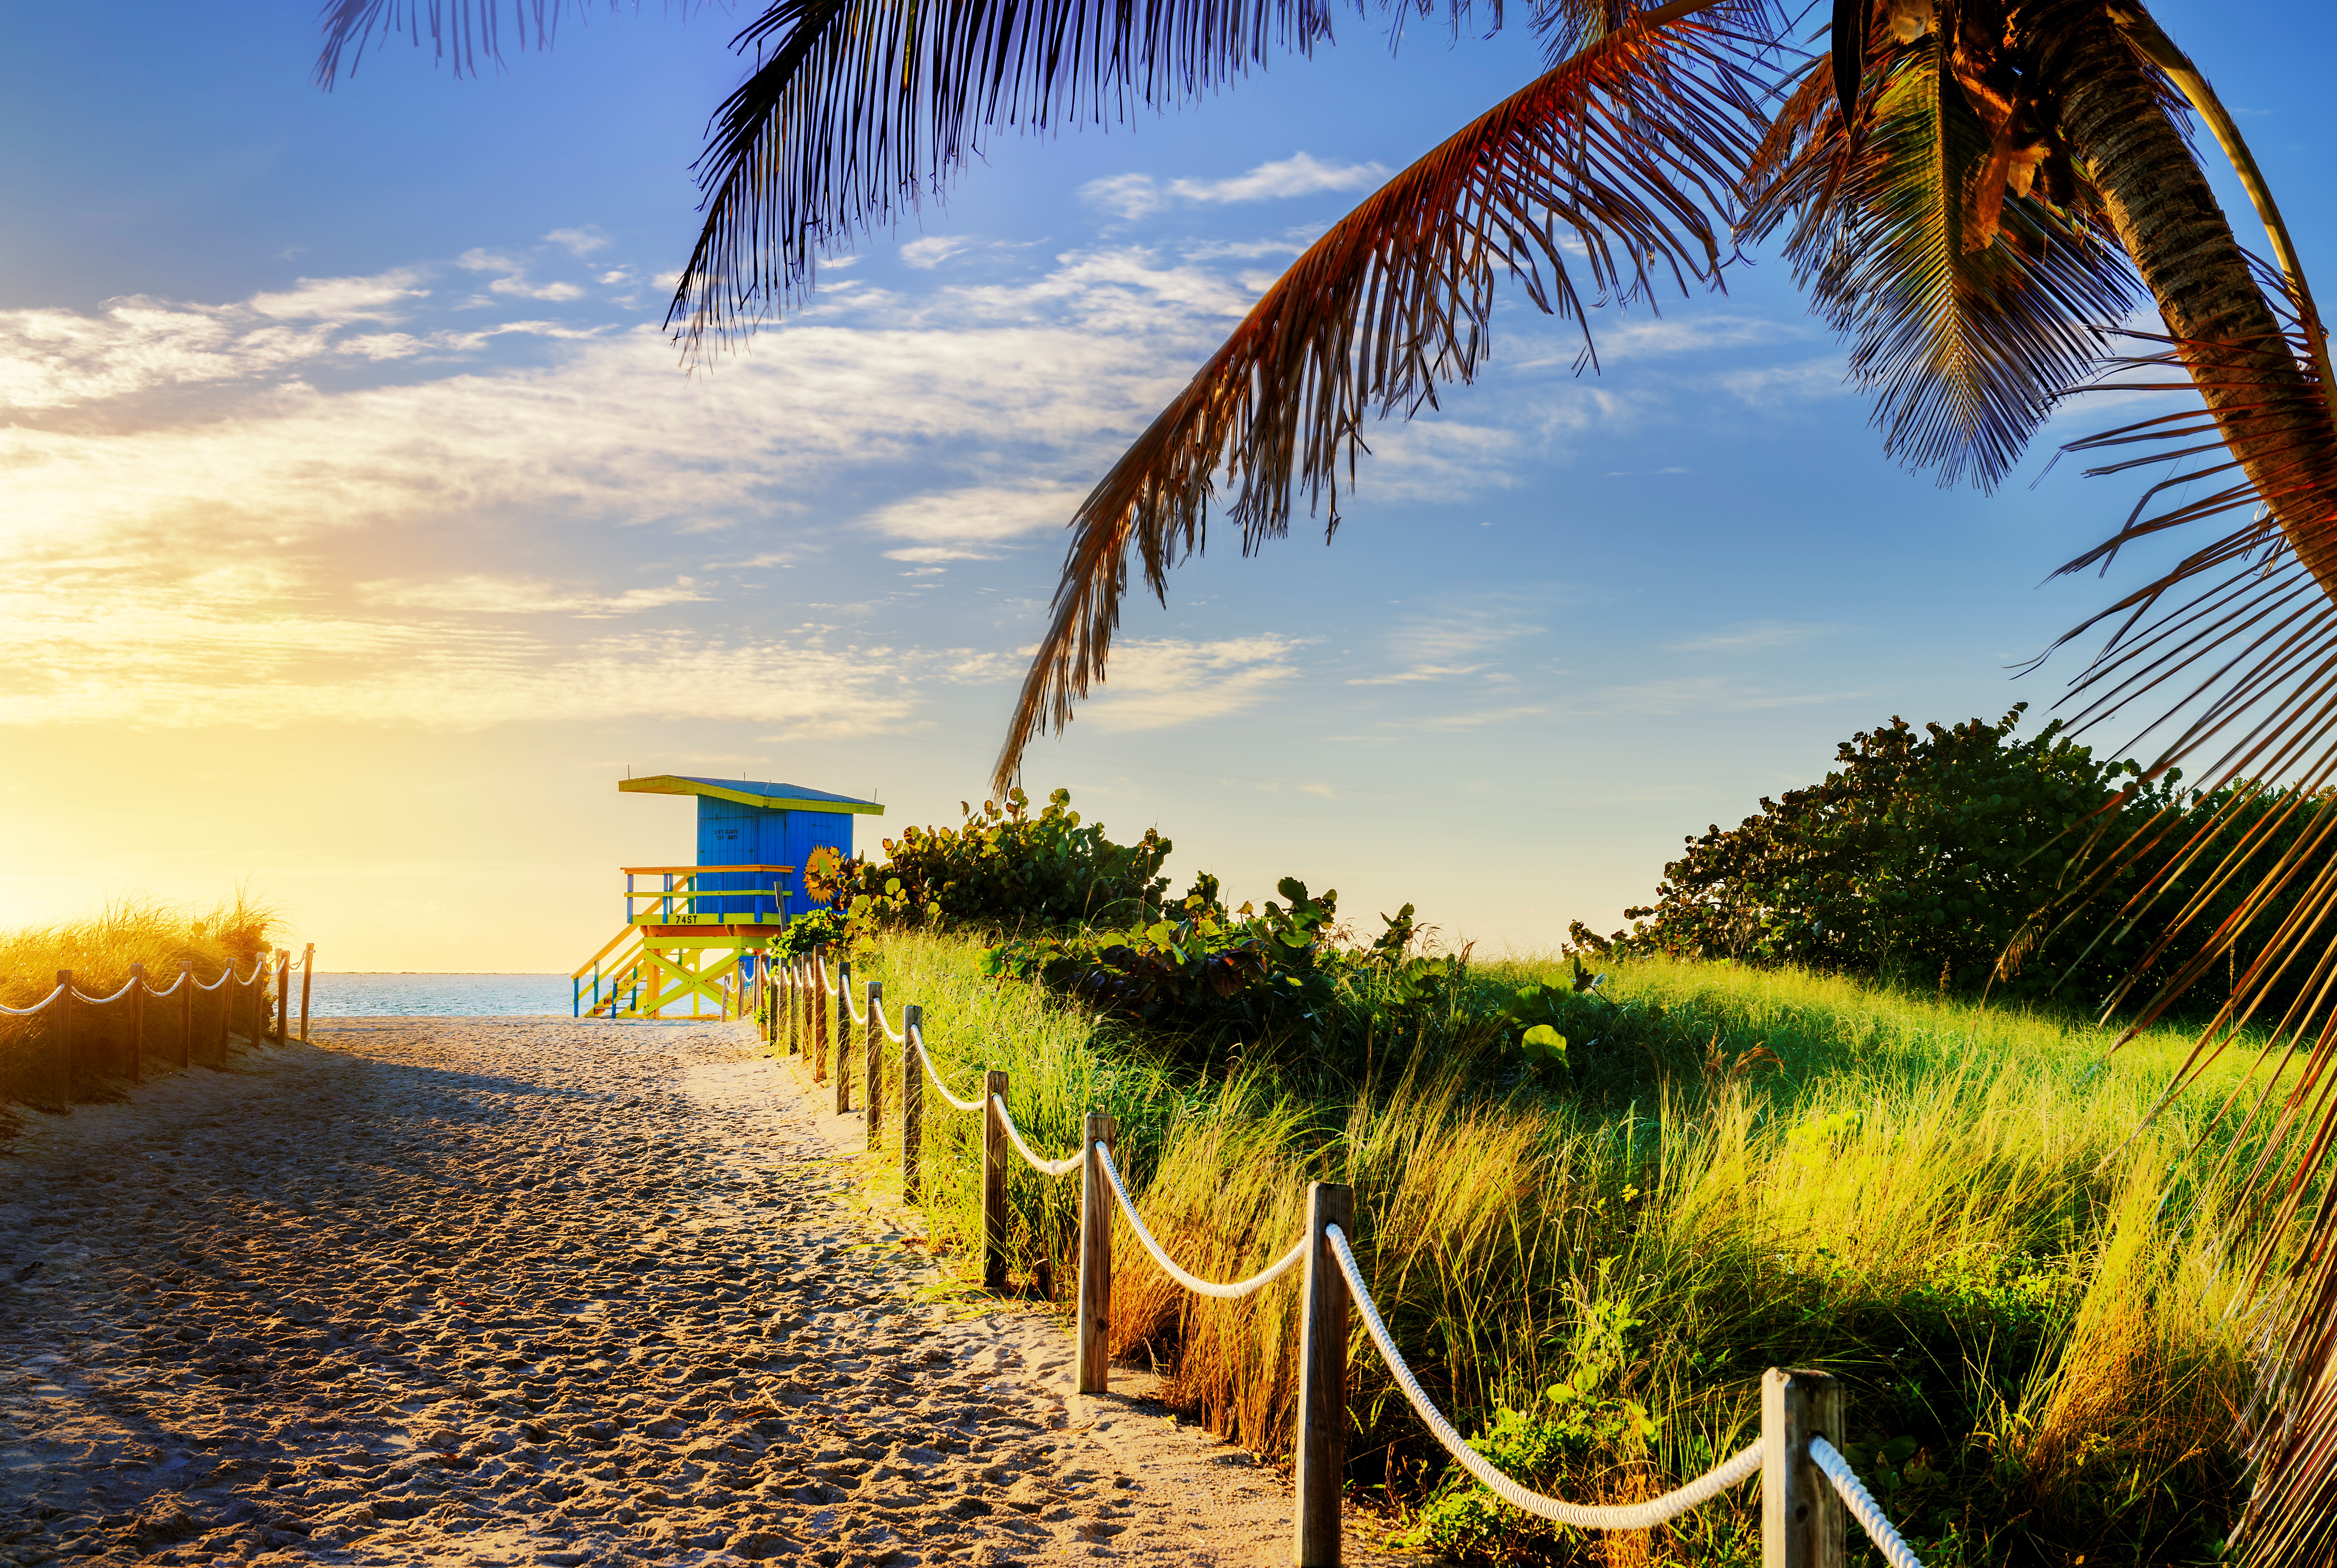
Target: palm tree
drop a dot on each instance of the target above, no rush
(1974, 191)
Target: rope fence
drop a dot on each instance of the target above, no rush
(264, 995)
(1808, 1490)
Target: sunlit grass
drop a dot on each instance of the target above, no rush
(100, 950)
(2036, 1301)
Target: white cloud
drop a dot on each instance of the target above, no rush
(343, 299)
(515, 283)
(295, 504)
(491, 594)
(1769, 385)
(931, 554)
(981, 515)
(1247, 249)
(1120, 290)
(1692, 332)
(1420, 673)
(1449, 642)
(1135, 196)
(1480, 718)
(520, 288)
(932, 251)
(579, 241)
(1296, 175)
(609, 431)
(1155, 683)
(1128, 196)
(1696, 693)
(194, 664)
(1752, 637)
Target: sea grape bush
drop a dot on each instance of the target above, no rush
(1925, 853)
(1002, 868)
(1963, 858)
(1948, 856)
(1208, 981)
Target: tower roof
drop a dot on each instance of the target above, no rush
(778, 797)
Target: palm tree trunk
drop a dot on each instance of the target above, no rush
(2116, 124)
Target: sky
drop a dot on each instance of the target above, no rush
(365, 528)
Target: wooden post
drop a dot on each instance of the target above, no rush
(283, 995)
(993, 1182)
(1321, 1456)
(227, 1010)
(259, 1002)
(186, 1012)
(61, 1033)
(875, 1094)
(817, 1015)
(1095, 1255)
(791, 987)
(138, 1023)
(307, 969)
(843, 1036)
(913, 1103)
(1801, 1518)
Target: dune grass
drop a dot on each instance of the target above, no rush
(2036, 1301)
(99, 949)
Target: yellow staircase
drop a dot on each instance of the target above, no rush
(669, 951)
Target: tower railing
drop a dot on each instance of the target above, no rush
(680, 898)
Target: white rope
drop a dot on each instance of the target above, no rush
(1895, 1552)
(82, 996)
(934, 1074)
(1062, 1167)
(857, 1015)
(217, 983)
(1624, 1516)
(877, 1007)
(827, 979)
(1193, 1282)
(37, 1006)
(173, 986)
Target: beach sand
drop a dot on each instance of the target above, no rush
(503, 1291)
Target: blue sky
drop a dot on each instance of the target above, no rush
(356, 499)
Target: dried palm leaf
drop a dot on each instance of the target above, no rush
(2232, 653)
(1627, 151)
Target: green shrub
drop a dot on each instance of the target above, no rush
(1924, 854)
(1963, 858)
(1208, 982)
(1002, 868)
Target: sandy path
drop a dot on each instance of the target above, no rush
(507, 1292)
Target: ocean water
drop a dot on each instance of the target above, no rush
(349, 996)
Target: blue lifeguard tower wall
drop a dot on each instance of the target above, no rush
(748, 822)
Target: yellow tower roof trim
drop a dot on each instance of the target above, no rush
(778, 797)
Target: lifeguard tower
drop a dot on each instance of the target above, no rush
(688, 930)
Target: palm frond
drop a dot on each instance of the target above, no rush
(1966, 338)
(2232, 654)
(467, 33)
(1627, 151)
(858, 108)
